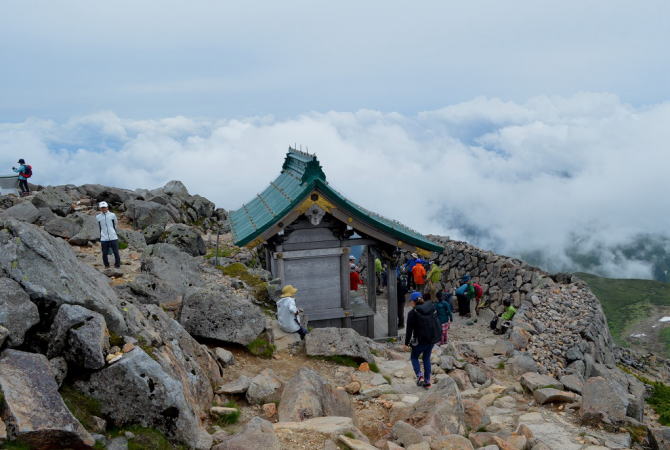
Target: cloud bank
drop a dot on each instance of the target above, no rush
(547, 179)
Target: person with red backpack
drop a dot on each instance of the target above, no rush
(25, 171)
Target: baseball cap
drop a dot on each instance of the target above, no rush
(103, 205)
(414, 296)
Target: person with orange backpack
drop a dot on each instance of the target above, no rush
(25, 171)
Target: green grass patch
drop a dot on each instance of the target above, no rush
(115, 340)
(387, 378)
(374, 367)
(660, 401)
(500, 365)
(147, 439)
(627, 301)
(123, 245)
(261, 347)
(350, 435)
(148, 348)
(16, 445)
(224, 252)
(81, 406)
(239, 270)
(228, 419)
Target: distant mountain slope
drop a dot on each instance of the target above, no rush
(634, 309)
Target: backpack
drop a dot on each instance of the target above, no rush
(28, 171)
(404, 280)
(479, 292)
(428, 327)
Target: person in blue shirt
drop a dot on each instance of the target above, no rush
(463, 296)
(23, 171)
(444, 313)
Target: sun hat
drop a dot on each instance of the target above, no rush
(352, 258)
(414, 296)
(288, 291)
(103, 205)
(415, 256)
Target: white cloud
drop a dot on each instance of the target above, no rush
(518, 177)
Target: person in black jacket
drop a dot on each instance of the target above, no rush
(423, 332)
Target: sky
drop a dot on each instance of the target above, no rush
(521, 126)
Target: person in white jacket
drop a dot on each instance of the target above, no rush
(108, 238)
(287, 312)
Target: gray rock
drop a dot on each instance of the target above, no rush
(406, 434)
(225, 318)
(4, 334)
(88, 232)
(134, 239)
(257, 434)
(202, 207)
(551, 395)
(58, 367)
(503, 347)
(186, 238)
(337, 341)
(118, 443)
(136, 390)
(308, 395)
(476, 374)
(521, 363)
(153, 233)
(447, 363)
(24, 211)
(574, 354)
(173, 188)
(573, 383)
(111, 195)
(224, 357)
(54, 198)
(533, 381)
(52, 275)
(80, 335)
(33, 409)
(440, 410)
(576, 368)
(602, 401)
(660, 437)
(17, 313)
(144, 214)
(64, 227)
(238, 386)
(264, 388)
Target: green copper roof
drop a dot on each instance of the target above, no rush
(300, 175)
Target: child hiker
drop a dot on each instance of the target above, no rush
(444, 313)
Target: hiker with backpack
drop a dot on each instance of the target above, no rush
(402, 290)
(463, 295)
(445, 315)
(419, 276)
(423, 332)
(25, 171)
(109, 240)
(434, 278)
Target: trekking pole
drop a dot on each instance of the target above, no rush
(216, 255)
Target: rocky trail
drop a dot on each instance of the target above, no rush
(171, 347)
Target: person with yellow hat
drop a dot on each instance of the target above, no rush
(287, 312)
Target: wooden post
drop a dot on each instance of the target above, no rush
(392, 290)
(372, 281)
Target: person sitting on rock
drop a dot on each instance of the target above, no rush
(423, 332)
(287, 312)
(109, 240)
(501, 323)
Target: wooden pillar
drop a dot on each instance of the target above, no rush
(372, 281)
(344, 286)
(392, 290)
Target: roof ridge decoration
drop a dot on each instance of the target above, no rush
(303, 165)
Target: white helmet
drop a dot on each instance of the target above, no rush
(103, 205)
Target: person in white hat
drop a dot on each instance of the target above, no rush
(109, 240)
(287, 312)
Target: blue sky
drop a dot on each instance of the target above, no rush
(523, 123)
(153, 59)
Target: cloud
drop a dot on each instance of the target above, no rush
(554, 176)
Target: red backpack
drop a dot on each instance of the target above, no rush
(479, 292)
(29, 171)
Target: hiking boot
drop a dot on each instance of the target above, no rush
(420, 382)
(426, 385)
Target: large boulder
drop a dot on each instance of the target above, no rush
(17, 313)
(24, 211)
(54, 198)
(309, 395)
(440, 411)
(134, 239)
(80, 335)
(603, 401)
(113, 196)
(52, 275)
(64, 227)
(144, 214)
(136, 390)
(533, 381)
(186, 238)
(89, 230)
(223, 316)
(264, 388)
(33, 409)
(338, 342)
(257, 433)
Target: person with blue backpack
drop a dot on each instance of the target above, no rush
(25, 171)
(423, 332)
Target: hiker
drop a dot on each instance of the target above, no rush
(423, 332)
(409, 265)
(463, 294)
(476, 298)
(25, 171)
(434, 278)
(287, 312)
(445, 315)
(354, 278)
(501, 323)
(378, 274)
(109, 240)
(402, 289)
(419, 276)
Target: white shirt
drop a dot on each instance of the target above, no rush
(107, 223)
(286, 310)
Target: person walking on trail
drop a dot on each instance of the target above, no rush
(402, 289)
(109, 240)
(423, 332)
(287, 312)
(445, 315)
(463, 294)
(478, 293)
(25, 171)
(354, 278)
(419, 276)
(434, 278)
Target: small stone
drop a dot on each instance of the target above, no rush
(99, 425)
(270, 410)
(222, 410)
(364, 367)
(353, 388)
(127, 347)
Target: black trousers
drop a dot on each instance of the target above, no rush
(23, 185)
(463, 304)
(112, 246)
